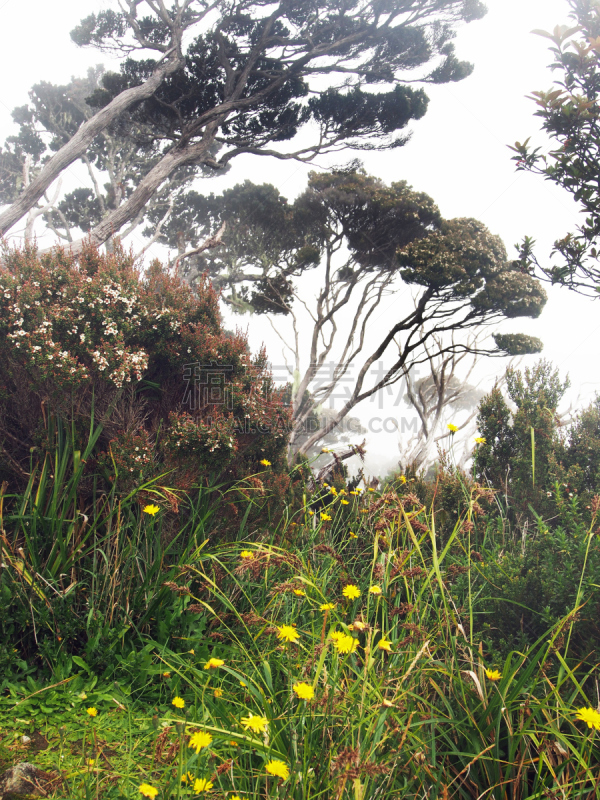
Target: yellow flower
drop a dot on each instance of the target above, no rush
(480, 440)
(590, 716)
(81, 695)
(186, 777)
(312, 513)
(234, 797)
(178, 702)
(493, 674)
(402, 478)
(325, 450)
(147, 790)
(325, 517)
(93, 712)
(359, 625)
(375, 589)
(192, 651)
(218, 693)
(385, 644)
(354, 492)
(213, 663)
(335, 635)
(255, 723)
(166, 674)
(288, 634)
(346, 643)
(344, 502)
(300, 592)
(364, 511)
(278, 768)
(327, 607)
(352, 535)
(151, 509)
(452, 428)
(202, 785)
(351, 591)
(342, 491)
(265, 463)
(233, 744)
(199, 739)
(333, 491)
(91, 762)
(243, 684)
(247, 554)
(304, 691)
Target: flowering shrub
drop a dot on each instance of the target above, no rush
(90, 340)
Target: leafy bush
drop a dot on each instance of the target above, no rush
(92, 342)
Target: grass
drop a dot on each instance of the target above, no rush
(407, 705)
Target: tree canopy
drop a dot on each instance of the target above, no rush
(350, 240)
(250, 78)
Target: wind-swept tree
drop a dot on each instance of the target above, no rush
(350, 241)
(251, 77)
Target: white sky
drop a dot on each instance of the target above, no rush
(458, 154)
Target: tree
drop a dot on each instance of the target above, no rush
(437, 397)
(115, 162)
(354, 241)
(253, 76)
(571, 116)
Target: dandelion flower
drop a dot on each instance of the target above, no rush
(354, 492)
(300, 592)
(335, 635)
(346, 643)
(333, 491)
(265, 462)
(93, 712)
(186, 777)
(91, 762)
(278, 768)
(590, 716)
(218, 693)
(199, 739)
(288, 634)
(327, 607)
(493, 674)
(235, 797)
(352, 535)
(344, 502)
(481, 440)
(213, 663)
(304, 691)
(247, 554)
(402, 478)
(375, 589)
(255, 723)
(385, 644)
(151, 509)
(243, 684)
(370, 489)
(325, 517)
(452, 428)
(147, 790)
(166, 674)
(202, 785)
(178, 702)
(351, 591)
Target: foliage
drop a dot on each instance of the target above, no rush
(522, 451)
(248, 81)
(357, 239)
(569, 114)
(128, 361)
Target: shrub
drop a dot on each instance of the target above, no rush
(91, 341)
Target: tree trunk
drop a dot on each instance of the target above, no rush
(80, 142)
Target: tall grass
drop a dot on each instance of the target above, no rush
(407, 705)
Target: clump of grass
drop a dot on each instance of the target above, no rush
(326, 665)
